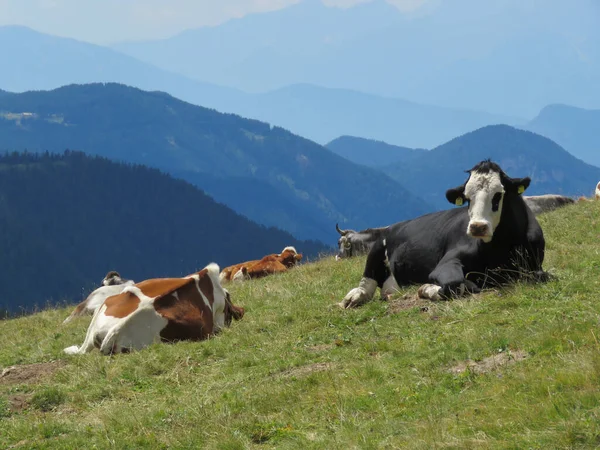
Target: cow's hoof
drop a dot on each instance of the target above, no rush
(73, 349)
(542, 277)
(356, 297)
(430, 292)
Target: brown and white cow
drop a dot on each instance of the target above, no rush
(598, 191)
(169, 309)
(275, 263)
(112, 284)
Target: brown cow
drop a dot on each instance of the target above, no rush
(598, 191)
(275, 263)
(170, 309)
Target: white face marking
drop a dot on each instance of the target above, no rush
(482, 190)
(344, 248)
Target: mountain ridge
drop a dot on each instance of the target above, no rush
(199, 144)
(573, 128)
(371, 153)
(520, 153)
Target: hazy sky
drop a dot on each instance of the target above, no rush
(107, 21)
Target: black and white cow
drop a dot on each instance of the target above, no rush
(492, 240)
(354, 243)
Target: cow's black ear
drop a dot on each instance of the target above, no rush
(456, 195)
(518, 185)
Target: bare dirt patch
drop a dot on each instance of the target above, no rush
(305, 370)
(29, 373)
(491, 363)
(406, 302)
(18, 402)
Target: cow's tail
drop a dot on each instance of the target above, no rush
(213, 271)
(77, 312)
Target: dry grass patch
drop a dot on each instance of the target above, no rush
(406, 302)
(491, 363)
(302, 371)
(320, 348)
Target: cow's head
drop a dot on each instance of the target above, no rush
(344, 243)
(484, 192)
(289, 257)
(112, 278)
(231, 311)
(241, 275)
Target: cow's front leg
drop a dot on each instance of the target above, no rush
(449, 277)
(375, 274)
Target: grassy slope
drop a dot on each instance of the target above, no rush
(299, 372)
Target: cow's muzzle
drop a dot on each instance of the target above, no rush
(480, 230)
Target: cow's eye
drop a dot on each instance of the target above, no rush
(496, 201)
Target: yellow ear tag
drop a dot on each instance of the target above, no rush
(458, 201)
(521, 189)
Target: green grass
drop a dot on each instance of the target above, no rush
(298, 372)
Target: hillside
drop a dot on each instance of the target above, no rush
(66, 220)
(371, 153)
(310, 187)
(575, 129)
(516, 368)
(445, 53)
(520, 153)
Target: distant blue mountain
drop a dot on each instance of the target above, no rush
(371, 153)
(520, 153)
(576, 129)
(37, 61)
(323, 114)
(512, 56)
(301, 30)
(40, 62)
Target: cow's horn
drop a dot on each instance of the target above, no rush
(343, 233)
